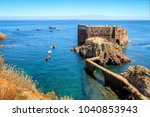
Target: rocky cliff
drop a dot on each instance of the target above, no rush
(109, 53)
(2, 36)
(139, 76)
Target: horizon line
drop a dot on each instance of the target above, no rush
(84, 17)
(76, 19)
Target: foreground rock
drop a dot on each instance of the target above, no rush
(2, 36)
(109, 53)
(139, 77)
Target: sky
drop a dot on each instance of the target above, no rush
(74, 9)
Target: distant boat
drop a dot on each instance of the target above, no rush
(52, 27)
(38, 29)
(53, 46)
(47, 58)
(49, 52)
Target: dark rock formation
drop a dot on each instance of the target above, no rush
(139, 77)
(2, 36)
(109, 53)
(52, 27)
(38, 29)
(73, 48)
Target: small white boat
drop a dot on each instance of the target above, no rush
(49, 52)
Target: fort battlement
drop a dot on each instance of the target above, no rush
(111, 33)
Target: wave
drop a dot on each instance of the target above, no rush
(130, 41)
(140, 44)
(9, 45)
(146, 46)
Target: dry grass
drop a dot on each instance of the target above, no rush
(66, 98)
(1, 62)
(17, 76)
(16, 85)
(51, 96)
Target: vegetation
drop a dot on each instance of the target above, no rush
(16, 85)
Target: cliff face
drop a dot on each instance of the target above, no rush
(139, 76)
(109, 53)
(2, 36)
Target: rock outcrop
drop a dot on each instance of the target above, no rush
(109, 53)
(2, 36)
(139, 77)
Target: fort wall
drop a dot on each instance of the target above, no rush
(111, 33)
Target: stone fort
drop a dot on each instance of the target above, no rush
(115, 34)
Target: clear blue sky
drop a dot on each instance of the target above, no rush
(75, 8)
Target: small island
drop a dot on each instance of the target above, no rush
(2, 36)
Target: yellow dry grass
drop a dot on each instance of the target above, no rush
(1, 62)
(16, 85)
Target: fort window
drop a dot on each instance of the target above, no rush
(118, 42)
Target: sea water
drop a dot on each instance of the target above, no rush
(64, 72)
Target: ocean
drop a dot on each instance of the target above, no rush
(64, 72)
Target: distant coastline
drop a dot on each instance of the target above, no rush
(36, 19)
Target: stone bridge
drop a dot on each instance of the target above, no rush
(115, 81)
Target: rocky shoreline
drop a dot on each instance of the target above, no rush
(131, 85)
(2, 36)
(139, 77)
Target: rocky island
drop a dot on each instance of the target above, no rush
(105, 42)
(109, 53)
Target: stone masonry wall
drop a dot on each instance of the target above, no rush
(111, 33)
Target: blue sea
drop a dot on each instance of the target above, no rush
(64, 72)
